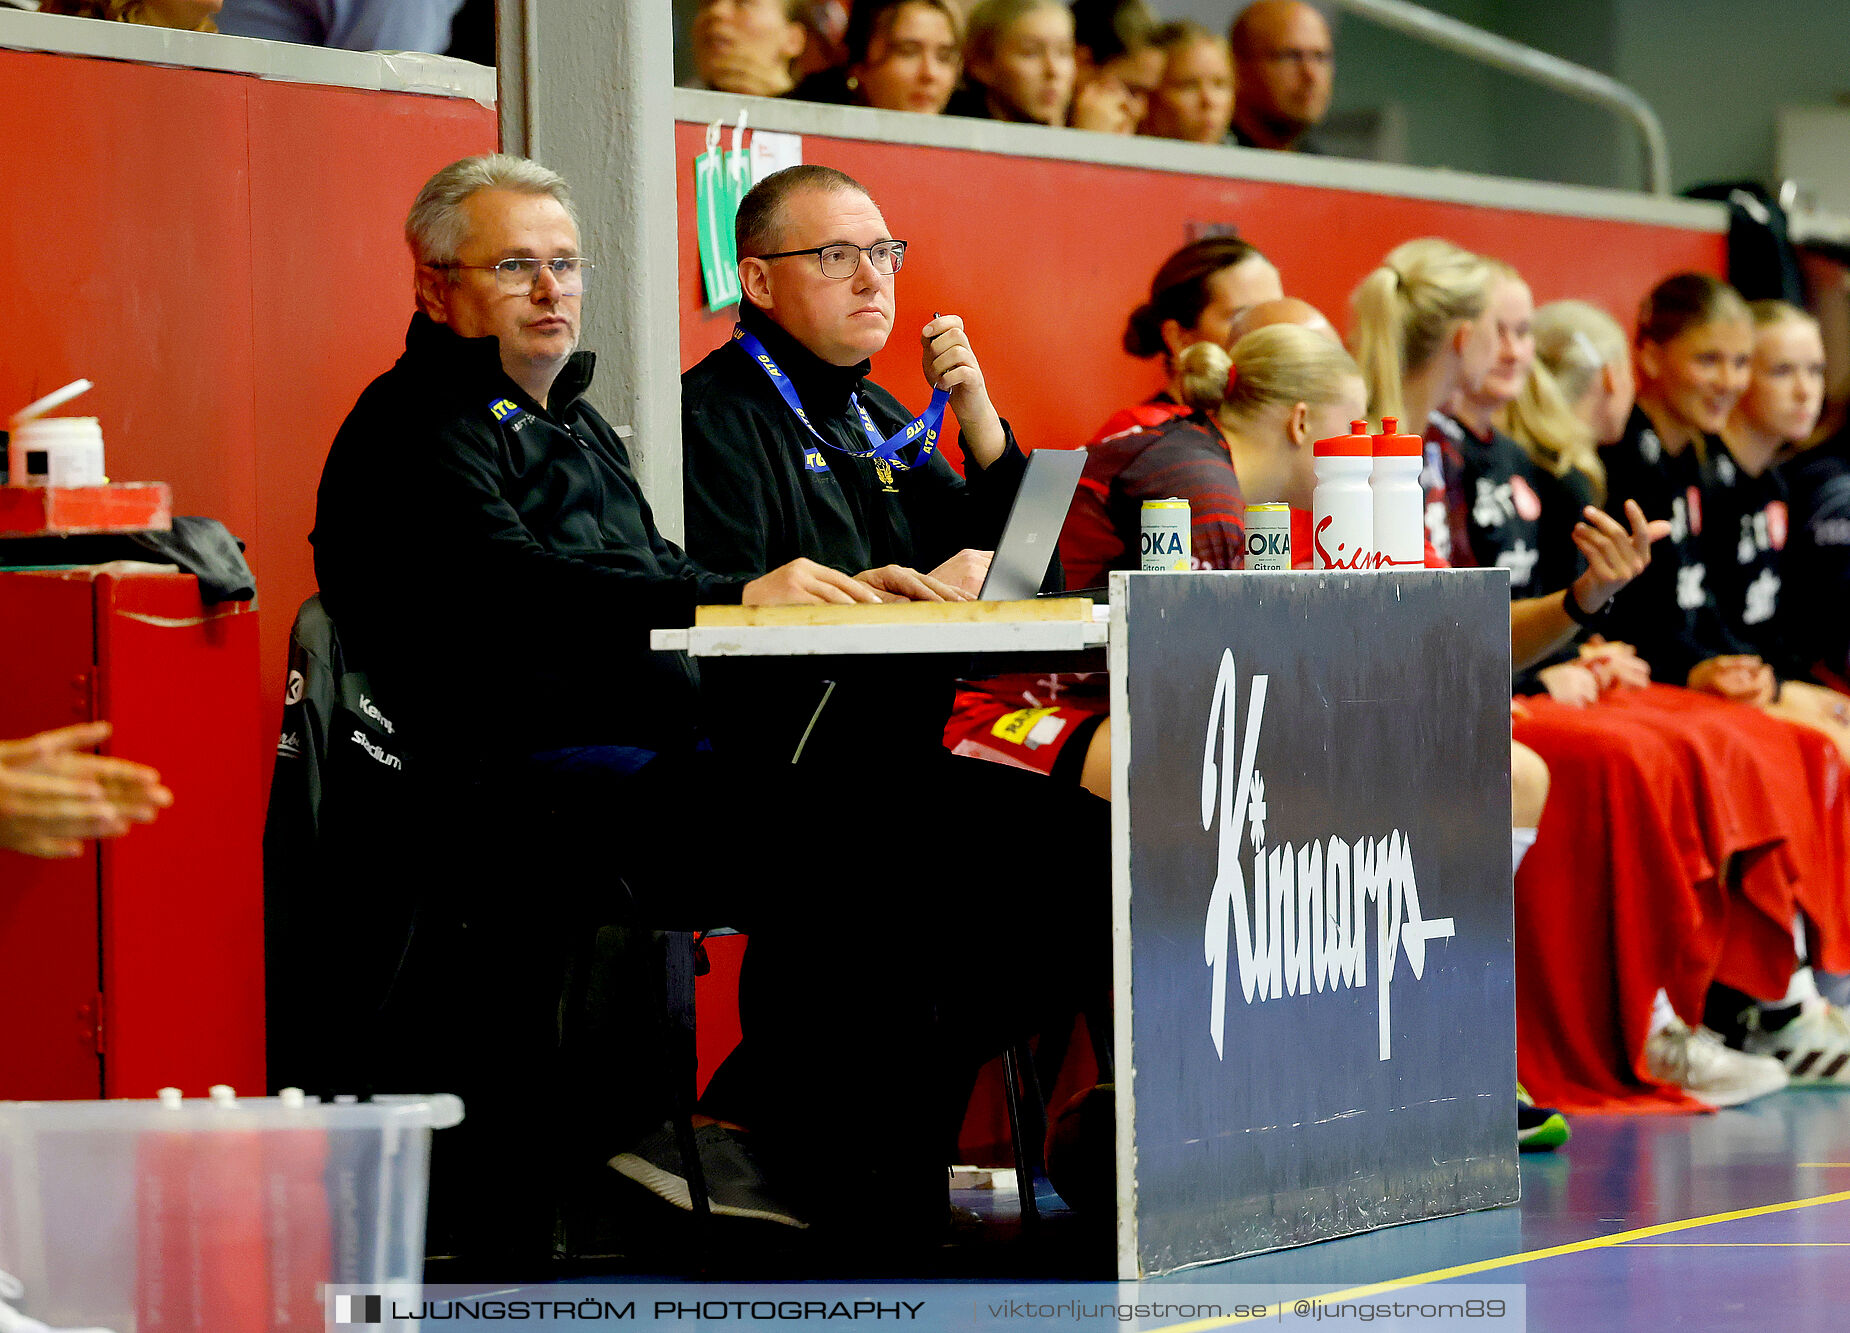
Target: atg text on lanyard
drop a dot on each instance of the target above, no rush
(885, 453)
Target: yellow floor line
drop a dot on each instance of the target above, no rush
(1740, 1245)
(1822, 1164)
(1523, 1257)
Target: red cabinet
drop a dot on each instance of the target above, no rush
(140, 964)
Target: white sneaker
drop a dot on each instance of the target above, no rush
(1697, 1062)
(1812, 1048)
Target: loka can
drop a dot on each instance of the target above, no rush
(1268, 536)
(1165, 536)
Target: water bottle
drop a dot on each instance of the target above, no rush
(1399, 503)
(1342, 533)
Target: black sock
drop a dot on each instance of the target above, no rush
(1729, 1013)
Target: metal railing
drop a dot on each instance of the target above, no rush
(1525, 61)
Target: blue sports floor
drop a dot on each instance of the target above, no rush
(1739, 1220)
(1736, 1220)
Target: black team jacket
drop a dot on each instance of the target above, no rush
(752, 505)
(1669, 611)
(493, 564)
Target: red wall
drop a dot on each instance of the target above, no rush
(1044, 260)
(221, 255)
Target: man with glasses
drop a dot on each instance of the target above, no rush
(1285, 69)
(790, 451)
(490, 562)
(787, 453)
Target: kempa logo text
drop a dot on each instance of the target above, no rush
(1304, 926)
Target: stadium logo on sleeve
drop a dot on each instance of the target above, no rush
(1302, 926)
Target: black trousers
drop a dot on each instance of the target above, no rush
(908, 920)
(910, 916)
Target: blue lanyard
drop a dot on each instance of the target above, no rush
(885, 451)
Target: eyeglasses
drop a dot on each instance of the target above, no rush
(515, 277)
(843, 260)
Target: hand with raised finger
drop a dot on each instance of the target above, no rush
(1614, 555)
(967, 570)
(804, 582)
(951, 364)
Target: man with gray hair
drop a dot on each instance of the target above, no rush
(490, 561)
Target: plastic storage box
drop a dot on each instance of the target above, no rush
(218, 1216)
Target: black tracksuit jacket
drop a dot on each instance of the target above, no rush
(494, 565)
(752, 506)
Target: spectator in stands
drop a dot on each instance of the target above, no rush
(783, 466)
(1117, 66)
(825, 38)
(903, 55)
(747, 46)
(1194, 297)
(187, 15)
(1693, 353)
(54, 796)
(1285, 63)
(1194, 100)
(1018, 62)
(353, 25)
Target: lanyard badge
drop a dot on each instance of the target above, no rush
(885, 453)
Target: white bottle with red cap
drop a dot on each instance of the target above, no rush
(1399, 502)
(1342, 531)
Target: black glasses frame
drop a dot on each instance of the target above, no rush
(897, 247)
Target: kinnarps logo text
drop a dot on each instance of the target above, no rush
(1304, 925)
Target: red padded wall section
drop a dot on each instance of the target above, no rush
(182, 901)
(130, 216)
(1044, 260)
(49, 975)
(221, 255)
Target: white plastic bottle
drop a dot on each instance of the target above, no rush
(1399, 502)
(1342, 523)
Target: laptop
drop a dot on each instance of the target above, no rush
(1032, 533)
